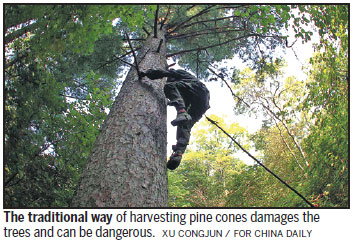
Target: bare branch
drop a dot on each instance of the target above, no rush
(146, 31)
(210, 46)
(227, 84)
(165, 18)
(116, 58)
(189, 19)
(160, 45)
(209, 20)
(125, 62)
(170, 65)
(204, 32)
(287, 145)
(225, 42)
(134, 55)
(155, 27)
(287, 129)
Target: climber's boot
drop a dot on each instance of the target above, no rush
(177, 155)
(174, 160)
(182, 117)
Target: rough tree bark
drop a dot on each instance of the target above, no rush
(127, 167)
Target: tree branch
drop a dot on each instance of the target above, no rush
(155, 27)
(134, 56)
(18, 33)
(10, 179)
(288, 131)
(146, 31)
(227, 84)
(210, 20)
(210, 46)
(204, 32)
(225, 42)
(189, 19)
(165, 18)
(287, 145)
(160, 45)
(116, 58)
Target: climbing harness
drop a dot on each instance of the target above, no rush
(267, 169)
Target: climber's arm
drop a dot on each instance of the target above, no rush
(172, 73)
(155, 73)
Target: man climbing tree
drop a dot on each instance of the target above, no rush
(190, 98)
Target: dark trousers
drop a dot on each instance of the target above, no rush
(194, 97)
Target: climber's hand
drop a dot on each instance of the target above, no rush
(142, 74)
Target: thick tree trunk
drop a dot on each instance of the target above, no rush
(127, 167)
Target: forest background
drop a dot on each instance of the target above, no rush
(67, 80)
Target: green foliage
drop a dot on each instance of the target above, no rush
(212, 174)
(43, 132)
(75, 27)
(278, 100)
(203, 176)
(328, 142)
(31, 121)
(57, 91)
(312, 115)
